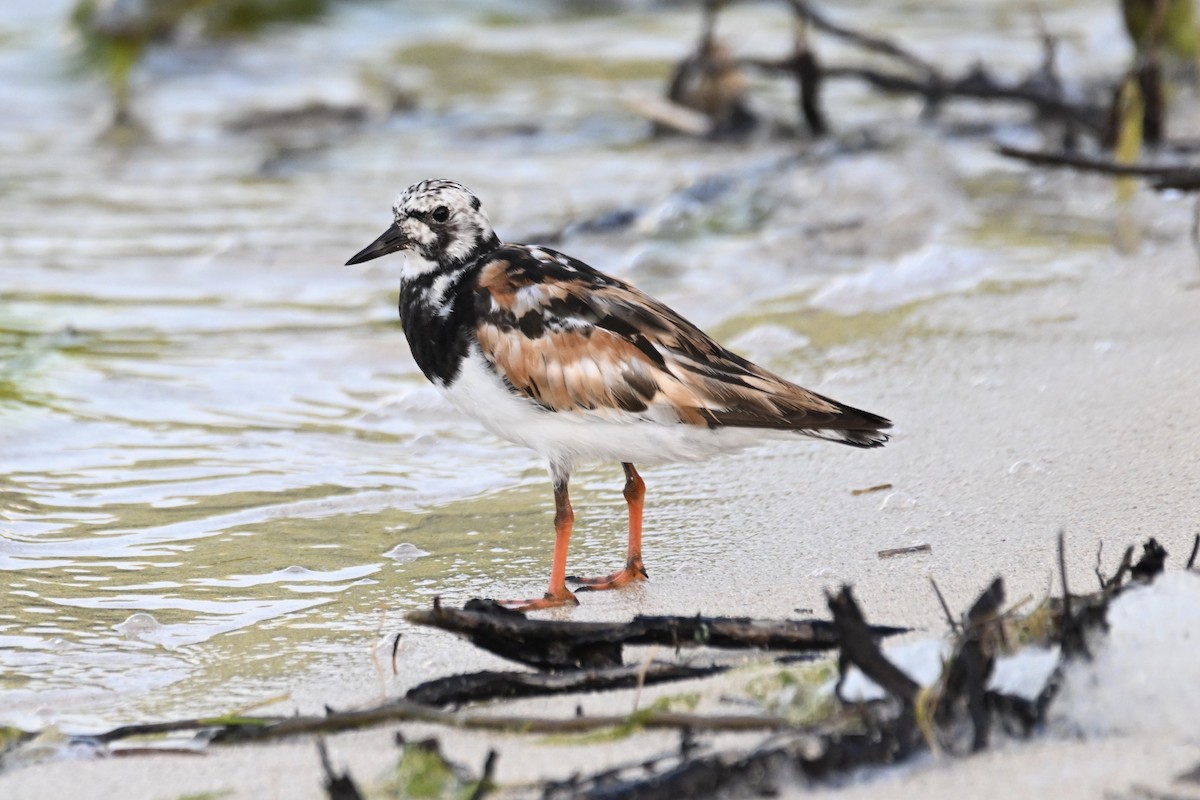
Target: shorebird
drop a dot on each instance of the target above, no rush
(549, 353)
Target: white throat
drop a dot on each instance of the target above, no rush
(416, 265)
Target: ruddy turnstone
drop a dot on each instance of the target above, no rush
(550, 353)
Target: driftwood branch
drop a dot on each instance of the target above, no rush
(867, 41)
(337, 786)
(224, 730)
(1181, 177)
(878, 733)
(1042, 90)
(548, 644)
(404, 711)
(959, 697)
(964, 681)
(975, 85)
(978, 84)
(858, 647)
(487, 685)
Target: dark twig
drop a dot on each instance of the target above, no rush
(875, 44)
(892, 552)
(338, 787)
(1062, 572)
(1042, 90)
(404, 711)
(242, 729)
(1191, 562)
(950, 620)
(555, 645)
(487, 685)
(1018, 715)
(1152, 562)
(705, 776)
(967, 673)
(858, 648)
(485, 785)
(1114, 583)
(975, 85)
(544, 644)
(808, 78)
(1071, 631)
(808, 82)
(175, 726)
(127, 752)
(1183, 177)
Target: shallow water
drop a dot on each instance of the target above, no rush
(219, 468)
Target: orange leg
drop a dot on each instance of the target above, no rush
(564, 518)
(635, 492)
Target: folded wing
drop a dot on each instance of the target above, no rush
(573, 339)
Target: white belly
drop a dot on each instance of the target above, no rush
(571, 438)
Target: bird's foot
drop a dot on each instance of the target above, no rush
(634, 571)
(548, 600)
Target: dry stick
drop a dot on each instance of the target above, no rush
(808, 82)
(975, 659)
(395, 651)
(338, 787)
(904, 551)
(485, 784)
(876, 44)
(1113, 583)
(1195, 549)
(858, 648)
(1099, 574)
(728, 773)
(1073, 636)
(402, 711)
(644, 766)
(1062, 571)
(977, 85)
(1165, 177)
(571, 645)
(609, 775)
(933, 85)
(879, 487)
(270, 728)
(125, 752)
(950, 620)
(176, 726)
(490, 685)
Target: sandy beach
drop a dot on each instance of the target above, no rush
(222, 429)
(1021, 410)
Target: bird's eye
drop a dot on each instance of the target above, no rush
(441, 214)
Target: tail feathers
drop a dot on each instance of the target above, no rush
(854, 427)
(854, 438)
(806, 413)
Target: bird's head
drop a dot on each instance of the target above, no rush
(441, 226)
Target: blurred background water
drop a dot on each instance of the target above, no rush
(219, 467)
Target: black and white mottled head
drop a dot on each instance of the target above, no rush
(439, 224)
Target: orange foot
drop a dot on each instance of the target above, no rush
(548, 600)
(634, 571)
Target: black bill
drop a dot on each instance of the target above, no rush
(389, 242)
